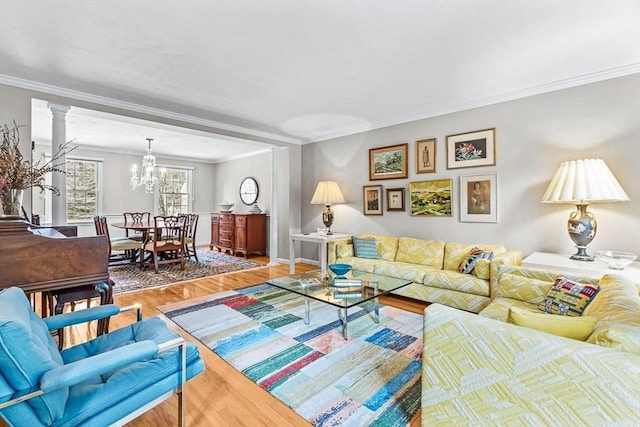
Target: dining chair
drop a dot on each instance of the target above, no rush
(190, 235)
(167, 246)
(136, 218)
(109, 380)
(125, 249)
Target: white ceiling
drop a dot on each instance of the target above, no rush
(311, 70)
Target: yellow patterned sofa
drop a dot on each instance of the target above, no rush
(433, 266)
(480, 370)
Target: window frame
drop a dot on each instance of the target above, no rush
(156, 190)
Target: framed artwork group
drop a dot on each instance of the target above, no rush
(434, 198)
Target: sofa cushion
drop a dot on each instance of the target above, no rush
(361, 264)
(27, 351)
(404, 270)
(499, 308)
(617, 308)
(446, 279)
(422, 252)
(455, 253)
(578, 328)
(387, 246)
(523, 288)
(365, 247)
(344, 250)
(482, 269)
(568, 298)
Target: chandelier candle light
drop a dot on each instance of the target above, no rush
(148, 172)
(327, 194)
(582, 182)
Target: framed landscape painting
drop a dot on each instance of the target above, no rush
(478, 198)
(388, 162)
(466, 150)
(431, 198)
(372, 199)
(426, 156)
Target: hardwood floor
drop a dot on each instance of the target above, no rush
(221, 396)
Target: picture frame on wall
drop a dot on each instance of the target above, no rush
(395, 199)
(479, 198)
(388, 162)
(372, 199)
(426, 156)
(471, 149)
(431, 198)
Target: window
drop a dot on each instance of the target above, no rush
(173, 194)
(82, 189)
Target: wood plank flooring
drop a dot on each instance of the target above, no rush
(221, 396)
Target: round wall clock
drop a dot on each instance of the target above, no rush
(249, 190)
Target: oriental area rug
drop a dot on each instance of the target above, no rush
(130, 278)
(373, 378)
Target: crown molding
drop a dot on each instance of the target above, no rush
(101, 100)
(483, 102)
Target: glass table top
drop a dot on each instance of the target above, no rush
(354, 288)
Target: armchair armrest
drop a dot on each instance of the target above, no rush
(81, 370)
(510, 257)
(93, 313)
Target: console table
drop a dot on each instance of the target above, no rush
(563, 263)
(313, 238)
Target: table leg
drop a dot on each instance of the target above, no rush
(342, 314)
(376, 304)
(307, 311)
(292, 256)
(323, 256)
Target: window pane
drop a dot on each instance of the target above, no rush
(82, 181)
(173, 191)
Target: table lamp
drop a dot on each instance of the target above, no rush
(327, 194)
(582, 182)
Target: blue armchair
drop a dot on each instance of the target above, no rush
(109, 380)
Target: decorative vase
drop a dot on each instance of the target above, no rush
(11, 200)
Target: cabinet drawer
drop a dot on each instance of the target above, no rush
(225, 243)
(226, 227)
(226, 234)
(226, 218)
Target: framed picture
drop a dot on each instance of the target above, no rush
(426, 156)
(431, 198)
(388, 162)
(478, 198)
(395, 199)
(466, 150)
(372, 199)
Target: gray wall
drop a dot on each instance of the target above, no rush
(534, 135)
(15, 104)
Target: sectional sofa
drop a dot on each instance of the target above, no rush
(480, 370)
(432, 265)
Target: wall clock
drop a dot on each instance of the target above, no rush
(249, 190)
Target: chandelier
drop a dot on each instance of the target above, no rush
(147, 173)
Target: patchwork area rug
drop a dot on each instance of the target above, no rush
(373, 378)
(129, 277)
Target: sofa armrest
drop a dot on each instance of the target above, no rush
(331, 248)
(478, 371)
(510, 257)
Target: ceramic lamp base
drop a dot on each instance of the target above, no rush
(327, 218)
(582, 229)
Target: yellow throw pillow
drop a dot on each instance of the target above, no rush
(578, 328)
(483, 269)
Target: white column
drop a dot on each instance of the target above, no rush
(58, 179)
(273, 223)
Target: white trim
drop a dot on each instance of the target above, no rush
(110, 102)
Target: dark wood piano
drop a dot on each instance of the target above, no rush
(38, 263)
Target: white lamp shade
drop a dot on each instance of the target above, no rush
(588, 181)
(327, 193)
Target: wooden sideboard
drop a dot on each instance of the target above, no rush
(239, 233)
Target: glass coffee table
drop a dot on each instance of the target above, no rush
(355, 288)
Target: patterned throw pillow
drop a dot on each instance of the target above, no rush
(568, 298)
(468, 265)
(365, 247)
